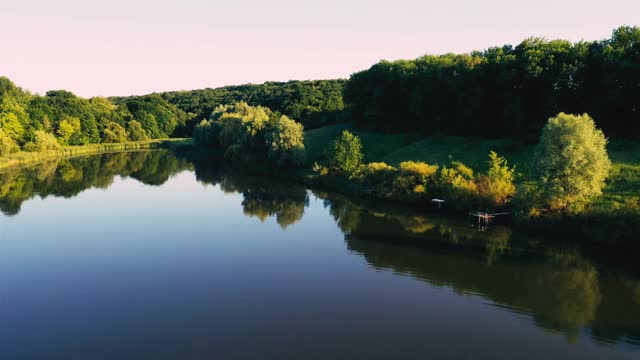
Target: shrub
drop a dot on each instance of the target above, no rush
(346, 153)
(457, 181)
(114, 133)
(136, 132)
(497, 185)
(7, 144)
(571, 162)
(43, 142)
(378, 175)
(414, 177)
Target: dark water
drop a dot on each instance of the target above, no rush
(156, 255)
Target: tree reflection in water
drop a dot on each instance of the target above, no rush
(561, 289)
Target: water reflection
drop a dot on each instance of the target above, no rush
(560, 288)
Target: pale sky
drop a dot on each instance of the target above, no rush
(125, 47)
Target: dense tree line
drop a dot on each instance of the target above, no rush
(72, 120)
(504, 91)
(248, 132)
(313, 103)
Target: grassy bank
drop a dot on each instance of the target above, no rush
(24, 158)
(618, 208)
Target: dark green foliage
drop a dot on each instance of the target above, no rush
(159, 119)
(207, 133)
(504, 91)
(346, 153)
(312, 103)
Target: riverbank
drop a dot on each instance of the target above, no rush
(613, 216)
(25, 158)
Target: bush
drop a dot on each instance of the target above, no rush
(457, 182)
(346, 153)
(378, 175)
(497, 185)
(7, 144)
(114, 133)
(571, 162)
(43, 142)
(414, 177)
(136, 132)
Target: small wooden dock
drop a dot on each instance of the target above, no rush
(483, 218)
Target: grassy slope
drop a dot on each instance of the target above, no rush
(622, 187)
(26, 158)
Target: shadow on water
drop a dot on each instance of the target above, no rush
(565, 289)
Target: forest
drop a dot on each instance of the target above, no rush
(507, 91)
(312, 103)
(35, 123)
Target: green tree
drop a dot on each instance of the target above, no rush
(136, 132)
(207, 132)
(114, 133)
(66, 129)
(7, 144)
(346, 153)
(11, 125)
(571, 162)
(43, 141)
(497, 185)
(286, 142)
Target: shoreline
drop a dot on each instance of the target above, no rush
(24, 158)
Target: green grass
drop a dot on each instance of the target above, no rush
(621, 192)
(23, 158)
(396, 148)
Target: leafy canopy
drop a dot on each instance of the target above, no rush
(571, 162)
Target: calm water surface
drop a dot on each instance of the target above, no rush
(157, 255)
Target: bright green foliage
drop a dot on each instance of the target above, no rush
(246, 131)
(457, 181)
(77, 121)
(43, 141)
(497, 185)
(378, 175)
(11, 125)
(241, 124)
(7, 144)
(285, 142)
(66, 129)
(114, 133)
(571, 162)
(136, 132)
(414, 177)
(14, 118)
(346, 153)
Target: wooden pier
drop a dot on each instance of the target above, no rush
(483, 218)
